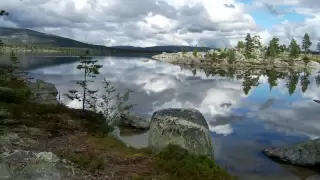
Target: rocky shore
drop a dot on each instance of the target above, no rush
(42, 139)
(215, 58)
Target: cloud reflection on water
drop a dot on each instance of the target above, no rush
(260, 119)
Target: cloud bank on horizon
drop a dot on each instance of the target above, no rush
(213, 23)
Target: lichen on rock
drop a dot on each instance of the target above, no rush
(186, 128)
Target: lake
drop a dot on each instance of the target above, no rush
(247, 111)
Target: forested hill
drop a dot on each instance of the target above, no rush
(30, 38)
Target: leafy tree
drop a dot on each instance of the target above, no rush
(272, 78)
(294, 49)
(249, 46)
(304, 81)
(318, 47)
(90, 70)
(306, 43)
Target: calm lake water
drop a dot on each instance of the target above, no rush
(246, 111)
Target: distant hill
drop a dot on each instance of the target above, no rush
(27, 37)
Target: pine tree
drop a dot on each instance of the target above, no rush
(195, 52)
(240, 45)
(249, 45)
(90, 70)
(273, 49)
(306, 43)
(294, 49)
(318, 47)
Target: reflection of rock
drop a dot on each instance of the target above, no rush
(306, 153)
(27, 165)
(129, 119)
(186, 128)
(43, 92)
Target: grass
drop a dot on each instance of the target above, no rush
(101, 153)
(182, 165)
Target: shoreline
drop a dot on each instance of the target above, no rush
(203, 62)
(52, 140)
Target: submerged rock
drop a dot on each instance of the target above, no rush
(28, 165)
(43, 92)
(305, 153)
(186, 128)
(129, 119)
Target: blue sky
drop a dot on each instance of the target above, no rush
(265, 19)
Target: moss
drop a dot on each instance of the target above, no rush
(182, 165)
(90, 162)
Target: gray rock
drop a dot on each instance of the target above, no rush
(115, 133)
(4, 172)
(186, 128)
(28, 165)
(129, 119)
(42, 171)
(43, 92)
(314, 177)
(305, 153)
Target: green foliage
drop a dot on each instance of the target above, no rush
(84, 160)
(306, 43)
(283, 48)
(292, 82)
(240, 45)
(183, 165)
(273, 49)
(306, 60)
(195, 52)
(231, 56)
(13, 64)
(223, 54)
(318, 47)
(294, 49)
(304, 81)
(249, 46)
(257, 41)
(272, 78)
(113, 106)
(248, 82)
(90, 70)
(183, 51)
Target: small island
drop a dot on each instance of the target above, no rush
(249, 53)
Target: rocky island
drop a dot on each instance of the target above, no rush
(250, 53)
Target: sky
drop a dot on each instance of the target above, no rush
(213, 23)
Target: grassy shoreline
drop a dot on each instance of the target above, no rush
(79, 137)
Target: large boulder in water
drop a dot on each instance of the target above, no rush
(305, 153)
(186, 128)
